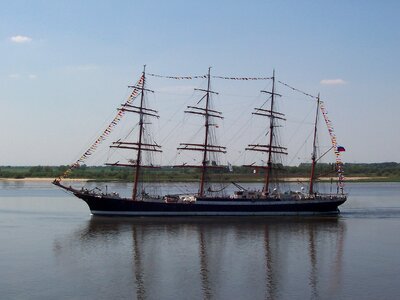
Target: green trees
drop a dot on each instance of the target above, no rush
(387, 170)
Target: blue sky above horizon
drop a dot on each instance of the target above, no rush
(65, 65)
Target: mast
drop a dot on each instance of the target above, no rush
(271, 137)
(206, 125)
(205, 147)
(140, 145)
(314, 153)
(269, 148)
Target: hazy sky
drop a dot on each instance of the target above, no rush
(65, 65)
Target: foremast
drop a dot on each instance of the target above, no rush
(206, 147)
(271, 147)
(140, 145)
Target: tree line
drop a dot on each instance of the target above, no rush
(386, 170)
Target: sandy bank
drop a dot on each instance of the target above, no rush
(41, 179)
(358, 178)
(292, 179)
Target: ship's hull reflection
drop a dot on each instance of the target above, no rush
(213, 258)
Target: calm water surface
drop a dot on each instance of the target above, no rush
(51, 248)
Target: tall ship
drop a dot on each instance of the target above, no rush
(268, 199)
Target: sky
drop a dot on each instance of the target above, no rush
(65, 67)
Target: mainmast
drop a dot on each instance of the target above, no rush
(206, 147)
(271, 137)
(207, 129)
(140, 145)
(314, 153)
(269, 148)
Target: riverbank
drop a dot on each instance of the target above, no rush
(290, 179)
(42, 179)
(381, 172)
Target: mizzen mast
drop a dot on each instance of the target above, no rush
(314, 153)
(206, 147)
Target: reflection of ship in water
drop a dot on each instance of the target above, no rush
(209, 259)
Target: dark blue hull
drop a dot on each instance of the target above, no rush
(104, 205)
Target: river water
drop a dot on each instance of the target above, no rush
(51, 248)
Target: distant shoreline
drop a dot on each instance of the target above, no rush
(379, 172)
(42, 179)
(291, 179)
